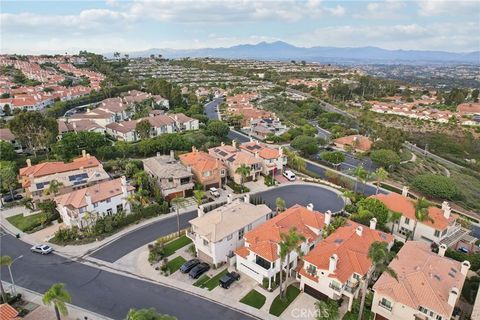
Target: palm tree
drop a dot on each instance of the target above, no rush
(290, 242)
(421, 212)
(244, 172)
(53, 188)
(380, 256)
(280, 203)
(360, 174)
(381, 175)
(394, 217)
(138, 199)
(58, 296)
(179, 202)
(199, 194)
(5, 261)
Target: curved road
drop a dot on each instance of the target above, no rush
(103, 292)
(323, 199)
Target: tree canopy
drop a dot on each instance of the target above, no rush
(437, 186)
(384, 157)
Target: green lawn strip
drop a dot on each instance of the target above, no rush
(213, 282)
(25, 223)
(279, 305)
(175, 264)
(173, 246)
(201, 281)
(254, 299)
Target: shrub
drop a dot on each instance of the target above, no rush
(385, 157)
(474, 258)
(269, 181)
(237, 188)
(334, 157)
(306, 144)
(437, 186)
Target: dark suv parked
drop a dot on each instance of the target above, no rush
(228, 279)
(198, 270)
(189, 265)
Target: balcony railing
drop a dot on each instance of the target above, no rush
(351, 287)
(334, 287)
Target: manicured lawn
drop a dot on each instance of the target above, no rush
(279, 305)
(213, 282)
(254, 299)
(176, 244)
(175, 264)
(201, 281)
(25, 223)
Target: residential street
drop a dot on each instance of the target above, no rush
(104, 292)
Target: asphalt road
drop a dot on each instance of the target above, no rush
(103, 292)
(322, 199)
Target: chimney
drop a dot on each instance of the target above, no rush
(359, 231)
(446, 209)
(200, 211)
(234, 144)
(172, 154)
(194, 149)
(328, 217)
(465, 267)
(88, 155)
(229, 198)
(222, 144)
(158, 154)
(332, 266)
(88, 200)
(189, 168)
(405, 191)
(84, 154)
(256, 154)
(280, 151)
(310, 207)
(442, 249)
(246, 198)
(29, 163)
(453, 296)
(251, 139)
(373, 223)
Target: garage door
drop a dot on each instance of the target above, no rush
(314, 293)
(379, 317)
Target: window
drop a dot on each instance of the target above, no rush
(249, 227)
(119, 207)
(356, 276)
(407, 221)
(385, 304)
(312, 269)
(241, 232)
(423, 310)
(206, 174)
(436, 234)
(229, 237)
(444, 232)
(95, 204)
(334, 285)
(439, 317)
(222, 172)
(205, 242)
(265, 264)
(109, 212)
(108, 200)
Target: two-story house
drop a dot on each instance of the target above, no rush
(428, 286)
(208, 170)
(233, 159)
(218, 233)
(273, 159)
(260, 258)
(336, 266)
(440, 225)
(77, 174)
(173, 178)
(104, 198)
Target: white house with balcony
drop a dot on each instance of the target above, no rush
(428, 286)
(218, 233)
(260, 259)
(105, 198)
(335, 268)
(273, 159)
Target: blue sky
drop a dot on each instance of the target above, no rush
(114, 25)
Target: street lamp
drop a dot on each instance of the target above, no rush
(10, 271)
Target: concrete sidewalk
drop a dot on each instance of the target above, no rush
(43, 312)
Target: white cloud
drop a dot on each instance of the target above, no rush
(450, 7)
(382, 10)
(336, 11)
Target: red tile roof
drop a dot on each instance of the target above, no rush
(47, 168)
(7, 312)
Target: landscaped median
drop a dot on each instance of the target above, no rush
(279, 305)
(26, 223)
(160, 251)
(175, 264)
(254, 299)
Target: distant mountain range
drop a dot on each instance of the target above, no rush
(284, 51)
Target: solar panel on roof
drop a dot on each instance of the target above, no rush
(222, 153)
(451, 274)
(338, 241)
(437, 277)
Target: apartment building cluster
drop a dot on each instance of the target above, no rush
(241, 105)
(336, 265)
(78, 187)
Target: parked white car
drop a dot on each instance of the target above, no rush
(42, 249)
(289, 175)
(214, 192)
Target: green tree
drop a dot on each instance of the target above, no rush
(244, 172)
(143, 128)
(218, 128)
(199, 194)
(7, 151)
(58, 296)
(53, 187)
(34, 130)
(179, 202)
(289, 242)
(360, 175)
(147, 314)
(5, 261)
(305, 144)
(294, 160)
(9, 178)
(280, 204)
(335, 157)
(123, 147)
(380, 256)
(375, 208)
(380, 175)
(384, 157)
(436, 186)
(474, 95)
(327, 310)
(421, 212)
